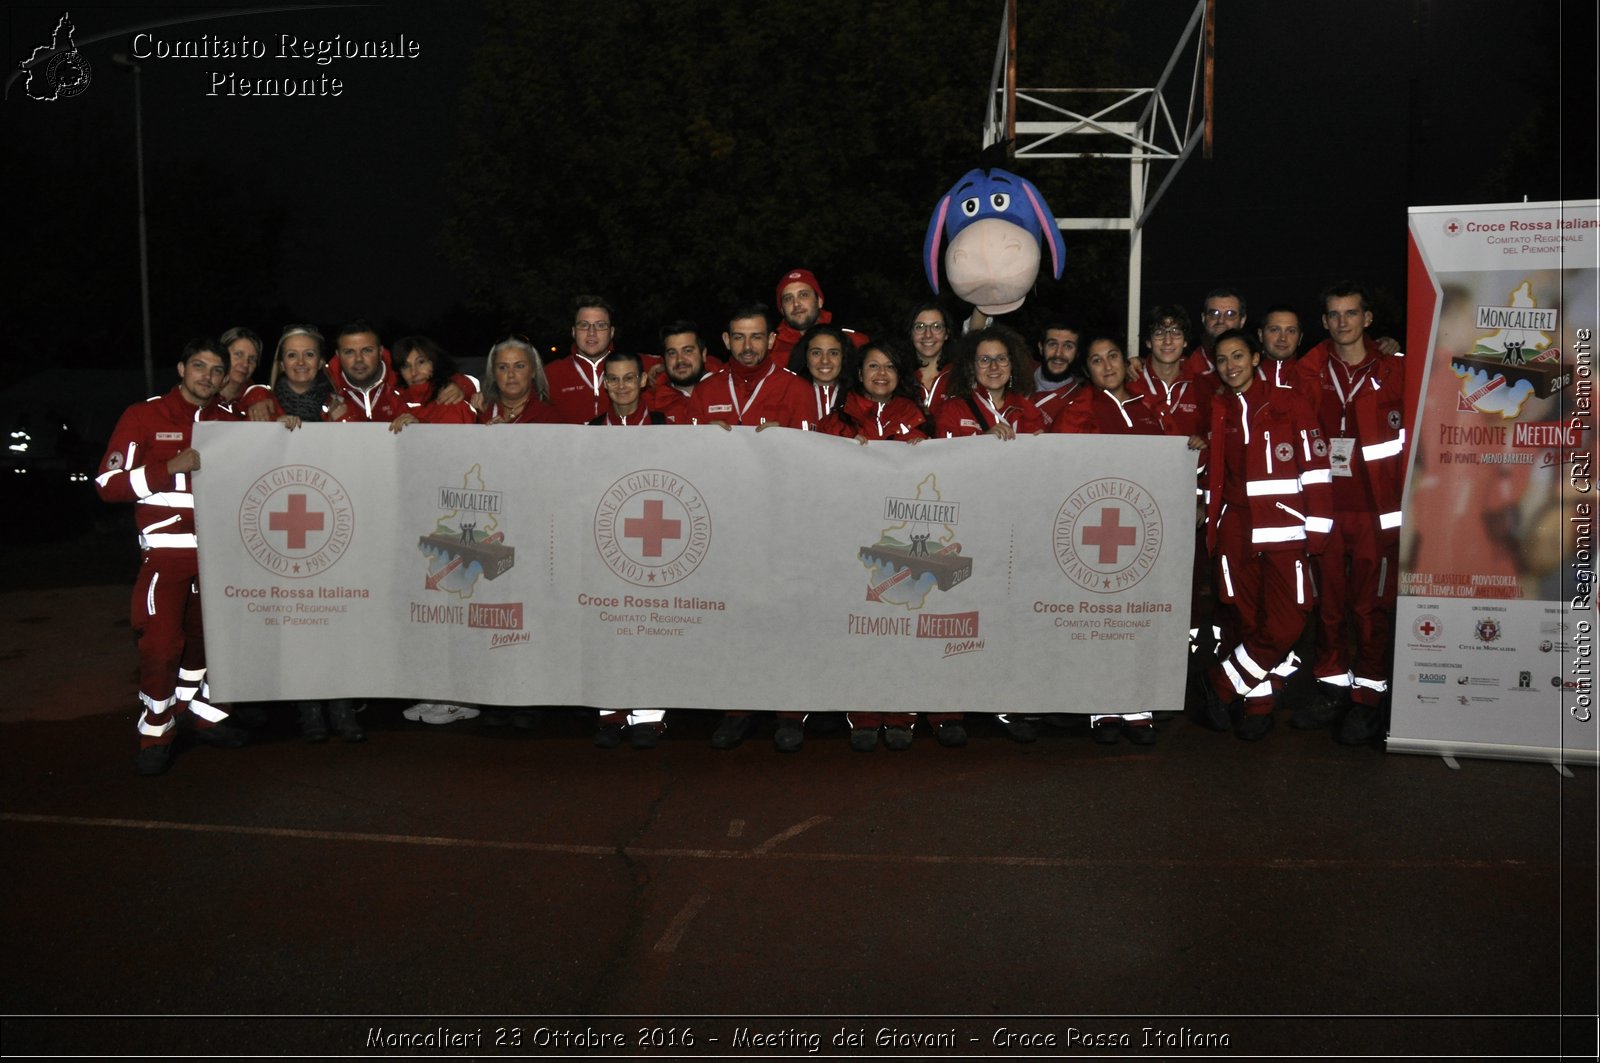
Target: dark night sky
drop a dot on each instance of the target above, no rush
(1331, 119)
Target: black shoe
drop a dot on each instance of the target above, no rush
(495, 718)
(313, 724)
(155, 760)
(342, 715)
(247, 715)
(1321, 709)
(951, 734)
(1361, 725)
(1106, 731)
(608, 736)
(731, 731)
(1140, 734)
(897, 738)
(1214, 711)
(222, 735)
(645, 735)
(1020, 729)
(790, 736)
(863, 739)
(527, 719)
(1254, 726)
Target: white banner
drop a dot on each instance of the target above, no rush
(668, 566)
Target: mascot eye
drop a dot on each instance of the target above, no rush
(1000, 201)
(969, 207)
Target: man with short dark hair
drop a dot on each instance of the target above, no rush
(576, 389)
(800, 303)
(1222, 310)
(363, 381)
(1280, 333)
(1358, 392)
(684, 363)
(754, 389)
(151, 463)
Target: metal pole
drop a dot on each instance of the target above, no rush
(144, 239)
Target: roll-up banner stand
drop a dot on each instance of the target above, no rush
(1495, 622)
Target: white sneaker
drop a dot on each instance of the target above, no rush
(445, 713)
(419, 710)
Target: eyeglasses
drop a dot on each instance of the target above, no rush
(593, 326)
(1222, 315)
(1167, 330)
(935, 327)
(988, 361)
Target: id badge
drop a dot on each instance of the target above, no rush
(1340, 455)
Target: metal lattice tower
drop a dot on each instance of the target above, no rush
(1138, 125)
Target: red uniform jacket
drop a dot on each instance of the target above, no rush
(899, 418)
(936, 393)
(969, 415)
(576, 388)
(1285, 479)
(415, 401)
(1052, 403)
(535, 412)
(1096, 411)
(788, 336)
(1184, 406)
(1374, 418)
(134, 469)
(750, 396)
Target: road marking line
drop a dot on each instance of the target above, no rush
(764, 850)
(782, 836)
(680, 922)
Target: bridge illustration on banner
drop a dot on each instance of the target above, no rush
(490, 554)
(947, 566)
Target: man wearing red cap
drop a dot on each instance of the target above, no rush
(800, 303)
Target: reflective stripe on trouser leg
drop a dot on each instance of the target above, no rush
(1125, 717)
(157, 718)
(1240, 684)
(638, 716)
(1368, 691)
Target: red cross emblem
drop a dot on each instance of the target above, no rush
(296, 520)
(1427, 627)
(652, 529)
(1109, 535)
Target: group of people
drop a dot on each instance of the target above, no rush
(1298, 459)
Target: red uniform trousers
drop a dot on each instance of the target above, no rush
(166, 620)
(1356, 580)
(1270, 592)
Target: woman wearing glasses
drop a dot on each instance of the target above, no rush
(929, 330)
(989, 388)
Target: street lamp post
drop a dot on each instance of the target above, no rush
(121, 59)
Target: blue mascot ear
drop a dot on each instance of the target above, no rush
(1047, 226)
(931, 249)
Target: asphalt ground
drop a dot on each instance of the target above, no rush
(1287, 897)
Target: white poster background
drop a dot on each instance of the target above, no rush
(1494, 645)
(1067, 560)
